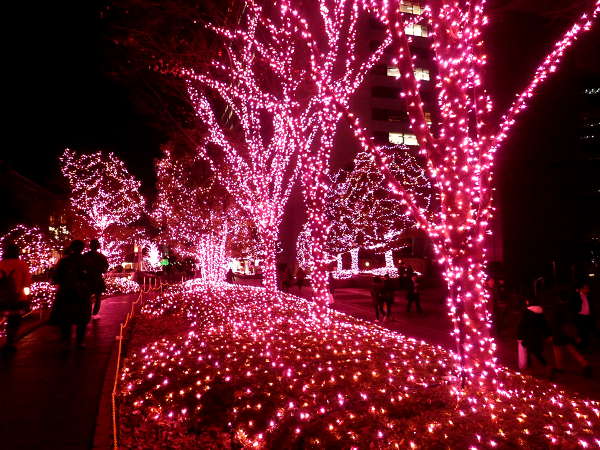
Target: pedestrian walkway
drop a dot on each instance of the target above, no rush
(50, 394)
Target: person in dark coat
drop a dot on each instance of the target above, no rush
(387, 296)
(533, 331)
(229, 276)
(15, 281)
(97, 265)
(413, 294)
(564, 335)
(72, 304)
(584, 319)
(376, 288)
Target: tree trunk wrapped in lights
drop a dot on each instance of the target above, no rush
(249, 100)
(460, 158)
(211, 256)
(276, 95)
(196, 217)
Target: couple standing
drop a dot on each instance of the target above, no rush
(79, 278)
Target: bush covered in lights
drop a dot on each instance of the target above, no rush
(41, 298)
(236, 366)
(121, 286)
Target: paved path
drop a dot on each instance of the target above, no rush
(49, 395)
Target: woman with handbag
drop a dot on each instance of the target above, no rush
(15, 280)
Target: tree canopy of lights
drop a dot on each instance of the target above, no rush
(196, 217)
(361, 211)
(249, 100)
(459, 151)
(38, 250)
(103, 194)
(270, 99)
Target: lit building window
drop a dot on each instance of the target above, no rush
(403, 139)
(393, 71)
(410, 7)
(422, 74)
(428, 118)
(417, 30)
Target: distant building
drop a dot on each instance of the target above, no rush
(377, 102)
(24, 201)
(383, 112)
(589, 148)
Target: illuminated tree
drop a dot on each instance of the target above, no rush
(363, 213)
(152, 257)
(280, 82)
(38, 250)
(179, 203)
(104, 195)
(251, 137)
(336, 73)
(459, 156)
(196, 216)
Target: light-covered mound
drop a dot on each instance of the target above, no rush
(243, 367)
(120, 286)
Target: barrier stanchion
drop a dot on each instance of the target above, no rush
(120, 338)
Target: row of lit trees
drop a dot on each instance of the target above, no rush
(278, 90)
(270, 103)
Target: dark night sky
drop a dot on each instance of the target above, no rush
(63, 97)
(60, 95)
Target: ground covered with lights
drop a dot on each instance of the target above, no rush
(216, 366)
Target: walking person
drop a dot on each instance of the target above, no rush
(72, 304)
(97, 265)
(564, 334)
(533, 331)
(15, 280)
(376, 288)
(387, 296)
(499, 300)
(580, 305)
(229, 276)
(413, 294)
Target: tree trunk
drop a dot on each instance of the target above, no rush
(319, 263)
(269, 242)
(211, 257)
(389, 259)
(339, 262)
(354, 260)
(469, 312)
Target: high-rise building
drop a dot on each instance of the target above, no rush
(378, 101)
